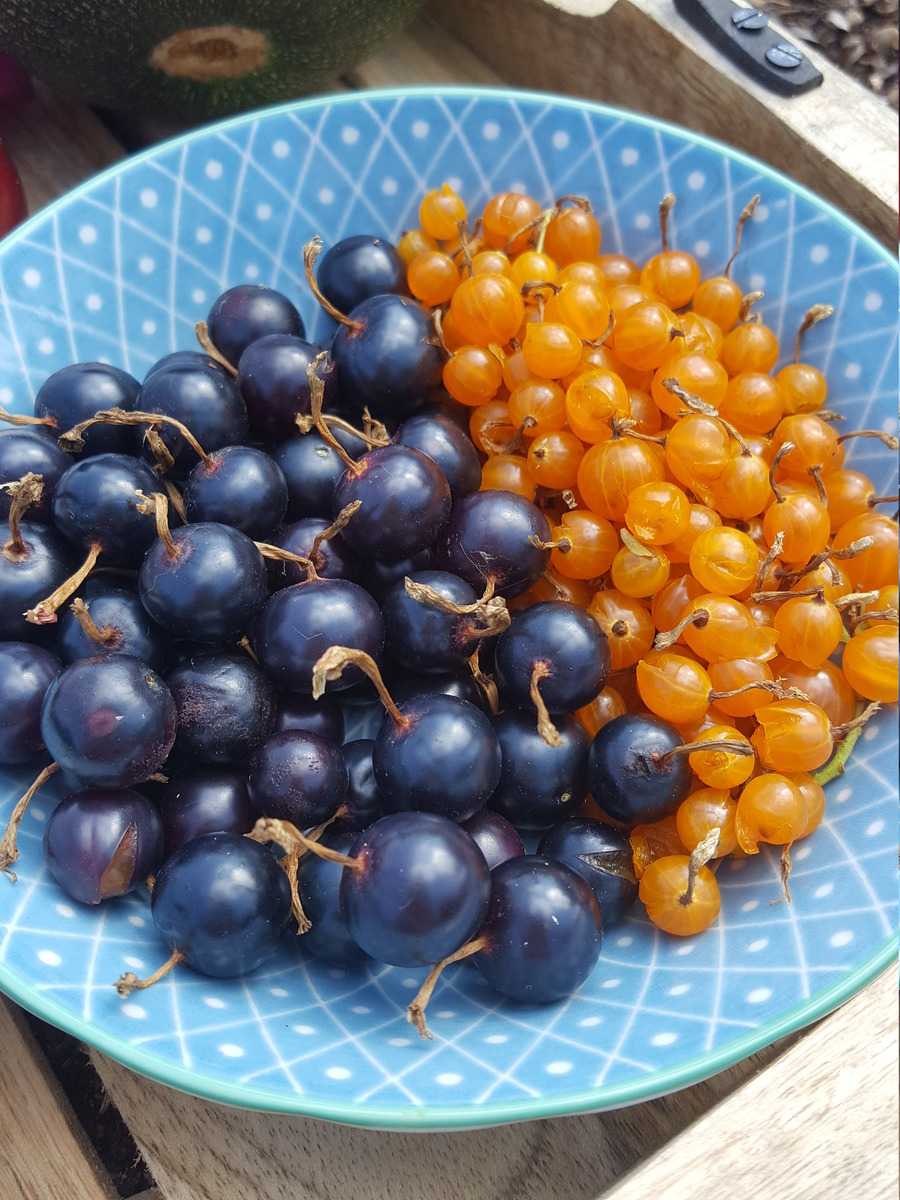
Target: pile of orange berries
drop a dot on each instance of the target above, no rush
(700, 506)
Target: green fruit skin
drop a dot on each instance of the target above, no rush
(99, 51)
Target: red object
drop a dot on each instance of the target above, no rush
(12, 198)
(15, 84)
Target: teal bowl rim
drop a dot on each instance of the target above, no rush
(427, 1117)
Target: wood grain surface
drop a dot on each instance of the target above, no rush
(43, 1155)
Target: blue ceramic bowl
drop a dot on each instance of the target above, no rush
(120, 269)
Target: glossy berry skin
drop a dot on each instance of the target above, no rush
(446, 760)
(663, 885)
(333, 559)
(25, 674)
(539, 784)
(96, 501)
(77, 391)
(247, 312)
(405, 503)
(118, 610)
(442, 440)
(356, 268)
(298, 624)
(108, 722)
(564, 638)
(404, 685)
(210, 590)
(312, 716)
(362, 801)
(319, 885)
(422, 891)
(25, 449)
(601, 855)
(184, 358)
(239, 486)
(543, 929)
(380, 576)
(223, 902)
(632, 775)
(386, 359)
(312, 470)
(206, 401)
(273, 382)
(226, 708)
(420, 636)
(298, 777)
(494, 836)
(100, 844)
(29, 576)
(205, 800)
(489, 538)
(870, 663)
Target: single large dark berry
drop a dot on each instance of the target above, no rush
(388, 357)
(298, 777)
(108, 618)
(333, 557)
(298, 624)
(226, 708)
(495, 536)
(209, 589)
(76, 392)
(435, 435)
(542, 930)
(108, 722)
(96, 503)
(25, 674)
(206, 800)
(238, 486)
(540, 784)
(363, 802)
(443, 758)
(404, 502)
(423, 637)
(273, 381)
(206, 400)
(31, 450)
(100, 844)
(421, 891)
(602, 857)
(312, 470)
(356, 268)
(223, 902)
(494, 836)
(319, 885)
(565, 643)
(246, 313)
(634, 774)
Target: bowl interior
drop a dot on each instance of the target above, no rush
(120, 270)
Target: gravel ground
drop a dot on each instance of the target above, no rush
(859, 35)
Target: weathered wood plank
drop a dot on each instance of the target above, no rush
(821, 1121)
(840, 140)
(426, 53)
(43, 1154)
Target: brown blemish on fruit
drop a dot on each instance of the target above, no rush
(211, 52)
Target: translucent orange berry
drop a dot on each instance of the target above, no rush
(771, 809)
(627, 624)
(531, 266)
(611, 470)
(453, 336)
(490, 426)
(623, 297)
(639, 570)
(593, 399)
(552, 586)
(644, 412)
(742, 491)
(732, 674)
(700, 518)
(870, 662)
(618, 268)
(441, 211)
(825, 685)
(722, 768)
(719, 299)
(508, 473)
(672, 275)
(698, 448)
(725, 630)
(749, 347)
(432, 277)
(670, 602)
(472, 375)
(703, 377)
(652, 840)
(604, 708)
(643, 334)
(554, 459)
(663, 888)
(490, 262)
(585, 545)
(809, 629)
(487, 308)
(583, 272)
(877, 566)
(700, 337)
(753, 402)
(673, 687)
(848, 494)
(573, 234)
(582, 307)
(504, 216)
(793, 735)
(702, 812)
(414, 242)
(803, 387)
(814, 445)
(658, 512)
(551, 350)
(537, 406)
(724, 560)
(803, 523)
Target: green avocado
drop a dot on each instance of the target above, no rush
(194, 58)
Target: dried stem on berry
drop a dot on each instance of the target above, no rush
(627, 426)
(437, 319)
(581, 202)
(884, 616)
(278, 554)
(415, 1013)
(73, 439)
(9, 851)
(317, 416)
(25, 493)
(825, 557)
(563, 544)
(176, 500)
(852, 599)
(23, 419)
(747, 302)
(374, 431)
(741, 749)
(489, 613)
(201, 333)
(838, 732)
(530, 227)
(745, 214)
(816, 473)
(777, 597)
(311, 252)
(772, 554)
(886, 439)
(665, 207)
(340, 522)
(779, 688)
(784, 449)
(700, 856)
(44, 612)
(129, 982)
(485, 682)
(107, 635)
(464, 247)
(163, 458)
(267, 829)
(288, 837)
(812, 316)
(245, 645)
(699, 617)
(545, 726)
(330, 666)
(786, 867)
(156, 505)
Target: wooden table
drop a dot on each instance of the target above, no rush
(811, 1118)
